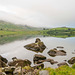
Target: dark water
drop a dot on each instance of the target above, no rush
(16, 49)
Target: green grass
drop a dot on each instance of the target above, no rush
(63, 70)
(59, 32)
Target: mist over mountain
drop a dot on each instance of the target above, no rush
(39, 13)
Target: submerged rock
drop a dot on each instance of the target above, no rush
(38, 46)
(20, 62)
(54, 52)
(61, 64)
(60, 47)
(38, 58)
(72, 60)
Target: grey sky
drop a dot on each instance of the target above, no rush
(46, 13)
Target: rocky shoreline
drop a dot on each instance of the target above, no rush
(23, 67)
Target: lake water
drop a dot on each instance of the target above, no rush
(16, 49)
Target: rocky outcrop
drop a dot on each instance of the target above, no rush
(54, 52)
(61, 64)
(72, 60)
(38, 58)
(20, 62)
(38, 46)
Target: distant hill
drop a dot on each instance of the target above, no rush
(14, 27)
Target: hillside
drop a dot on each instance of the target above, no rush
(59, 32)
(14, 27)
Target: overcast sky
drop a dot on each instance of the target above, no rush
(38, 13)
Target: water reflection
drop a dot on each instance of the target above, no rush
(11, 38)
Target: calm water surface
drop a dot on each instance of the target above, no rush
(16, 49)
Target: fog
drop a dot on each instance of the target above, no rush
(39, 13)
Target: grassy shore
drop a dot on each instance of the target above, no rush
(63, 70)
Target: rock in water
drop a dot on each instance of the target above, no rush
(38, 58)
(63, 63)
(72, 60)
(38, 46)
(54, 52)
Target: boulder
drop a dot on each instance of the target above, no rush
(3, 59)
(61, 64)
(38, 46)
(38, 58)
(72, 60)
(54, 52)
(20, 62)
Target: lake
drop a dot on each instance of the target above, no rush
(16, 49)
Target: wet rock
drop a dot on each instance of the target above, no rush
(44, 72)
(54, 52)
(38, 46)
(3, 59)
(51, 61)
(72, 60)
(37, 66)
(61, 64)
(38, 58)
(20, 62)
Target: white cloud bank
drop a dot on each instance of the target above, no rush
(38, 13)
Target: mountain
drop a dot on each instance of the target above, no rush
(14, 27)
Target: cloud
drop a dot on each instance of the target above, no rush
(46, 13)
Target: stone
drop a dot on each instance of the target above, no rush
(51, 61)
(54, 52)
(38, 58)
(9, 70)
(60, 47)
(44, 72)
(72, 60)
(61, 64)
(38, 46)
(2, 64)
(20, 62)
(3, 59)
(18, 71)
(37, 66)
(37, 40)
